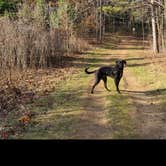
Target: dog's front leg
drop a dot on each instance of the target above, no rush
(117, 80)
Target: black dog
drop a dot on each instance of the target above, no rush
(115, 72)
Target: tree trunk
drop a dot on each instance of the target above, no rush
(154, 30)
(143, 31)
(162, 28)
(96, 21)
(100, 22)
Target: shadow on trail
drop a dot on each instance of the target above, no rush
(151, 113)
(82, 62)
(128, 48)
(150, 92)
(60, 115)
(111, 42)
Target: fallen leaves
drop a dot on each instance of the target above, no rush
(6, 131)
(25, 120)
(28, 89)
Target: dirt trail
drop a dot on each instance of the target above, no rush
(94, 124)
(149, 118)
(149, 115)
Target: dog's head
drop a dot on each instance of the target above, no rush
(121, 63)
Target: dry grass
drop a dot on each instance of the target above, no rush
(30, 40)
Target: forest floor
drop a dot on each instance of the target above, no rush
(71, 112)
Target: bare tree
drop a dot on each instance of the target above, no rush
(154, 30)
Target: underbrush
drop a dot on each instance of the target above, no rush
(33, 39)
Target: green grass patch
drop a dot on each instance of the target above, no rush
(149, 75)
(120, 112)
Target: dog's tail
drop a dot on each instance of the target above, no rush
(89, 72)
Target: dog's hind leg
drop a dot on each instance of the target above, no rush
(95, 84)
(105, 83)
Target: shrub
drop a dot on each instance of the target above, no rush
(37, 37)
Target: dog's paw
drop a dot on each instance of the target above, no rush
(119, 92)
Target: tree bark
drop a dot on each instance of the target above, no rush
(143, 31)
(100, 22)
(154, 29)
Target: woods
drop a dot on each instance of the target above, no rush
(45, 46)
(64, 24)
(35, 35)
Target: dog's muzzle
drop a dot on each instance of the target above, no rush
(125, 63)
